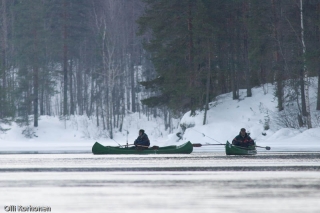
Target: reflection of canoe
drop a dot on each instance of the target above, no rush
(185, 148)
(238, 150)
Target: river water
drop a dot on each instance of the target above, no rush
(279, 182)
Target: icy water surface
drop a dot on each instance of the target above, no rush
(200, 182)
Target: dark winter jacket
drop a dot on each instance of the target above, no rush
(242, 141)
(142, 140)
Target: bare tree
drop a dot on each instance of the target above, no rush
(305, 70)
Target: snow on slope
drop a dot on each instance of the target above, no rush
(226, 117)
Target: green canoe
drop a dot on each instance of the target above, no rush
(238, 150)
(185, 148)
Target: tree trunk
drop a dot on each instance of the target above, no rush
(279, 75)
(3, 66)
(192, 75)
(318, 97)
(35, 83)
(102, 113)
(80, 85)
(133, 92)
(234, 79)
(231, 62)
(42, 100)
(245, 9)
(303, 97)
(97, 113)
(206, 106)
(35, 77)
(72, 108)
(65, 61)
(305, 70)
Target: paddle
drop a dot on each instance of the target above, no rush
(153, 147)
(200, 145)
(267, 147)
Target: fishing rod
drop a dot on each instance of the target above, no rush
(208, 137)
(117, 142)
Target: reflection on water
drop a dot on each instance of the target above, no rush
(179, 183)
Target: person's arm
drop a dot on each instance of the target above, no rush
(248, 138)
(136, 141)
(148, 141)
(251, 141)
(145, 140)
(235, 141)
(238, 139)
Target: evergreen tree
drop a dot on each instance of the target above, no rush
(260, 48)
(6, 101)
(69, 24)
(175, 48)
(29, 39)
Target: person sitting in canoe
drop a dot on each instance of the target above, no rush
(142, 140)
(243, 139)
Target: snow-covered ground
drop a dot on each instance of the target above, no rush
(225, 118)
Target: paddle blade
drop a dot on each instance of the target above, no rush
(268, 147)
(196, 144)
